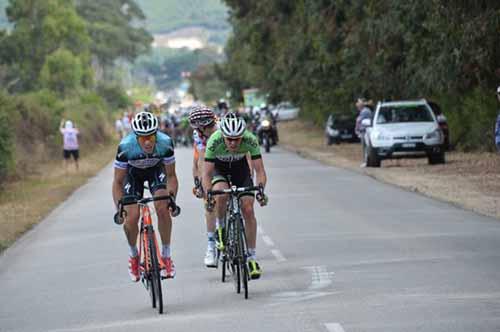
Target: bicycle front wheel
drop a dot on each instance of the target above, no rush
(242, 257)
(156, 293)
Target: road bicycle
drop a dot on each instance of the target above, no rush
(233, 257)
(150, 263)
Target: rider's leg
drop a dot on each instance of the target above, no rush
(247, 210)
(165, 230)
(220, 201)
(164, 222)
(131, 227)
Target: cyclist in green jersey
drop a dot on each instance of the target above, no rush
(225, 156)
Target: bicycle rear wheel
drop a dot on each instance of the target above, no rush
(155, 291)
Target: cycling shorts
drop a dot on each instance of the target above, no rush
(133, 188)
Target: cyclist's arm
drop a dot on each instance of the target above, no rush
(196, 168)
(201, 162)
(250, 165)
(208, 171)
(260, 172)
(118, 182)
(172, 183)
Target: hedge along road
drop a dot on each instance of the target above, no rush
(340, 252)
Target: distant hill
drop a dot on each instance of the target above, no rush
(3, 17)
(168, 15)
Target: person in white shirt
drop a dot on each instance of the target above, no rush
(70, 142)
(119, 128)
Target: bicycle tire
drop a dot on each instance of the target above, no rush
(242, 255)
(144, 241)
(155, 275)
(223, 262)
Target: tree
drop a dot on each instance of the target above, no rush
(39, 29)
(114, 28)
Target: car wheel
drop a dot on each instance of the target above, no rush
(372, 159)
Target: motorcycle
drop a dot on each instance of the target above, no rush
(265, 133)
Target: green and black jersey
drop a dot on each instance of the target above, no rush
(227, 162)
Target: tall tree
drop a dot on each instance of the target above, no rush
(114, 26)
(39, 29)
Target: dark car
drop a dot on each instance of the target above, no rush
(443, 123)
(340, 128)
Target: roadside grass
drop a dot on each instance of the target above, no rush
(469, 180)
(27, 200)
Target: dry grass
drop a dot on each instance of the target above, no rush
(26, 201)
(470, 180)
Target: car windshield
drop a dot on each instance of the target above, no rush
(404, 113)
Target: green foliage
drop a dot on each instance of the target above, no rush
(62, 72)
(166, 65)
(114, 95)
(112, 25)
(322, 55)
(40, 29)
(168, 15)
(206, 85)
(6, 137)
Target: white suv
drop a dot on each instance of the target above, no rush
(403, 129)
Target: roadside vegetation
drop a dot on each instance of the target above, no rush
(322, 55)
(59, 59)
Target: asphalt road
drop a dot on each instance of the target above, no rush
(340, 252)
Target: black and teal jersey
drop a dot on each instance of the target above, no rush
(217, 152)
(130, 153)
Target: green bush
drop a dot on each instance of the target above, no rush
(114, 95)
(472, 121)
(6, 135)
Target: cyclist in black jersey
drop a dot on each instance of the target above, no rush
(145, 155)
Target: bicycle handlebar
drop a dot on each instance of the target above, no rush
(260, 189)
(174, 208)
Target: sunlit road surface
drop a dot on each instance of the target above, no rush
(340, 252)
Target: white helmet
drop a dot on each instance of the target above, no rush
(144, 124)
(232, 126)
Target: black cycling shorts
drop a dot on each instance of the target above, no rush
(133, 188)
(240, 177)
(68, 153)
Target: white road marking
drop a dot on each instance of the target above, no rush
(278, 255)
(334, 327)
(268, 240)
(321, 278)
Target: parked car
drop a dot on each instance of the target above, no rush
(340, 128)
(443, 123)
(403, 129)
(285, 111)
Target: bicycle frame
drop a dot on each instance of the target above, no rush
(146, 230)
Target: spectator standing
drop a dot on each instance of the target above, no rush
(119, 128)
(126, 124)
(70, 142)
(364, 113)
(497, 125)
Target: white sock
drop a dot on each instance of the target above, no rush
(165, 250)
(133, 251)
(252, 252)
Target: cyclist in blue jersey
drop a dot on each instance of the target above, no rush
(145, 155)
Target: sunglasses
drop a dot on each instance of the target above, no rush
(144, 139)
(231, 139)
